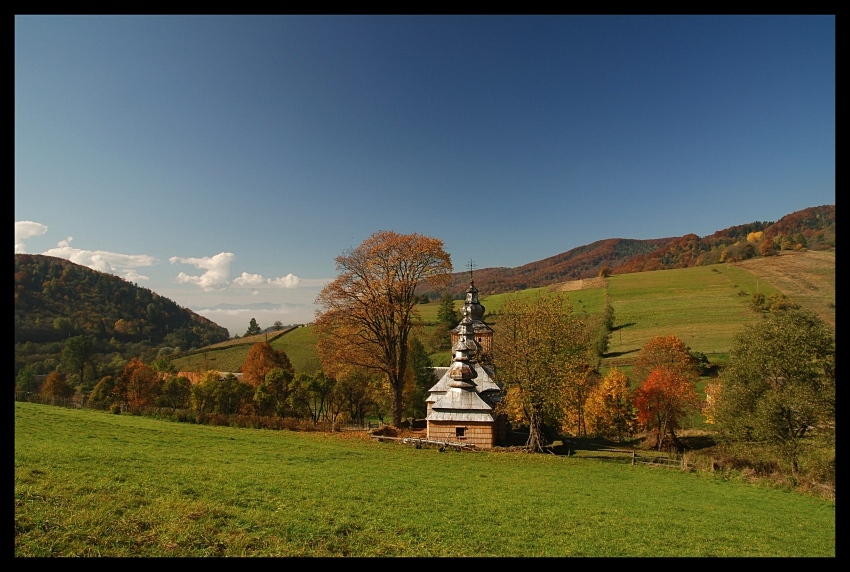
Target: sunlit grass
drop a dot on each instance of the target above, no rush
(89, 483)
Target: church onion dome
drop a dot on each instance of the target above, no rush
(460, 346)
(461, 370)
(472, 307)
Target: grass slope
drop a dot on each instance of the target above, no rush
(808, 277)
(89, 483)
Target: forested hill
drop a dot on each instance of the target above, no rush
(56, 299)
(812, 228)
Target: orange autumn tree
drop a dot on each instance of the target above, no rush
(368, 312)
(260, 360)
(668, 352)
(668, 391)
(662, 400)
(55, 385)
(139, 385)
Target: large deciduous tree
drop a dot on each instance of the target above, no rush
(176, 391)
(780, 383)
(539, 348)
(667, 392)
(368, 312)
(56, 386)
(25, 381)
(271, 396)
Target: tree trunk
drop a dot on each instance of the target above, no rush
(398, 386)
(662, 429)
(536, 438)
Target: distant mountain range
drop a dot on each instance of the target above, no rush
(812, 228)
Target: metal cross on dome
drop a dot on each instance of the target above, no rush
(470, 265)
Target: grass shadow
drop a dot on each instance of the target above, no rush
(618, 354)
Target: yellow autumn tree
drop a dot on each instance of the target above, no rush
(609, 411)
(580, 380)
(709, 407)
(539, 348)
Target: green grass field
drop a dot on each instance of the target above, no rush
(90, 483)
(705, 307)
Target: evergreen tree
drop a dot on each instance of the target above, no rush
(253, 328)
(447, 316)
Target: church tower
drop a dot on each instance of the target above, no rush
(461, 405)
(482, 333)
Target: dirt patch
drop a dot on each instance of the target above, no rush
(584, 284)
(806, 276)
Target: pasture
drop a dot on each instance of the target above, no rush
(90, 483)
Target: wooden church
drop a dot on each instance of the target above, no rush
(462, 404)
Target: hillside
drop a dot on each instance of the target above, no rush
(812, 228)
(56, 299)
(704, 306)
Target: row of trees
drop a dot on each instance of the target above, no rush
(547, 359)
(778, 389)
(268, 386)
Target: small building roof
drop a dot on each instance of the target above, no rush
(460, 416)
(461, 398)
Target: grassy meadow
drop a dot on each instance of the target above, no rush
(298, 343)
(705, 307)
(90, 483)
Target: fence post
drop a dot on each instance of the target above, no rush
(633, 456)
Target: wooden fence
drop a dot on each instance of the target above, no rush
(656, 460)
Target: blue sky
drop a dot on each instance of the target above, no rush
(225, 161)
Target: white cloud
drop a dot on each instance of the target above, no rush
(217, 275)
(124, 265)
(288, 281)
(25, 229)
(251, 280)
